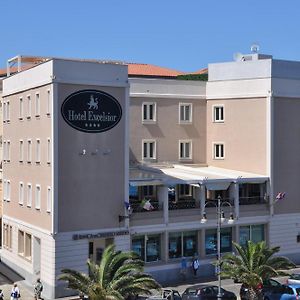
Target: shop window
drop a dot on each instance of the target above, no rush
(175, 245)
(147, 247)
(182, 244)
(211, 241)
(254, 233)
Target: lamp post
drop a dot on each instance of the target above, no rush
(220, 220)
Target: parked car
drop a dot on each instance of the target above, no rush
(267, 285)
(206, 292)
(293, 279)
(285, 292)
(166, 294)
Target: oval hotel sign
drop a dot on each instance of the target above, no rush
(91, 111)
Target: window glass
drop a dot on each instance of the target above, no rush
(244, 235)
(211, 241)
(175, 245)
(138, 246)
(189, 243)
(153, 248)
(257, 233)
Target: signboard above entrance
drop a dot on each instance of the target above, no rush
(91, 111)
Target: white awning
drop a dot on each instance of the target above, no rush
(212, 177)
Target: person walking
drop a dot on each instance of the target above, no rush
(38, 288)
(15, 292)
(183, 267)
(195, 265)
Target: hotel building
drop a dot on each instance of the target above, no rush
(81, 138)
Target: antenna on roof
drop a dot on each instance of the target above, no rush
(254, 48)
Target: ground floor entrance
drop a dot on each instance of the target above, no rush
(96, 248)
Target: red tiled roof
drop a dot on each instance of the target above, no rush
(151, 70)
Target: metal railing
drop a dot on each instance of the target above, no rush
(182, 204)
(252, 200)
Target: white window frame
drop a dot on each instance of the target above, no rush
(48, 102)
(154, 151)
(49, 199)
(190, 120)
(4, 111)
(21, 108)
(214, 114)
(38, 151)
(37, 105)
(8, 150)
(147, 120)
(21, 193)
(4, 190)
(38, 192)
(215, 145)
(4, 151)
(49, 151)
(29, 195)
(7, 111)
(8, 190)
(29, 106)
(29, 150)
(191, 149)
(21, 150)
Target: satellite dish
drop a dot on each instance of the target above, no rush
(254, 48)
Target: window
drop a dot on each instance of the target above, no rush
(7, 111)
(211, 241)
(148, 190)
(218, 113)
(254, 233)
(48, 103)
(21, 109)
(4, 151)
(185, 190)
(21, 193)
(29, 151)
(29, 195)
(219, 151)
(21, 150)
(182, 244)
(185, 150)
(7, 190)
(185, 113)
(38, 151)
(48, 150)
(7, 236)
(28, 246)
(4, 111)
(37, 105)
(21, 242)
(28, 107)
(147, 247)
(8, 151)
(149, 149)
(4, 190)
(37, 197)
(49, 199)
(149, 112)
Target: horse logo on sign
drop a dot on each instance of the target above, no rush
(93, 103)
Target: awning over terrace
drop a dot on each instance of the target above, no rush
(212, 177)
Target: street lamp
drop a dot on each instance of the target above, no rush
(220, 219)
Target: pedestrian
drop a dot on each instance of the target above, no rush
(195, 265)
(15, 292)
(38, 288)
(1, 295)
(183, 267)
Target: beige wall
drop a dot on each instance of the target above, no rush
(91, 188)
(286, 167)
(167, 131)
(243, 134)
(34, 128)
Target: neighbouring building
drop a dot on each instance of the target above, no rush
(83, 140)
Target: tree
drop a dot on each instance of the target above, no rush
(118, 276)
(254, 263)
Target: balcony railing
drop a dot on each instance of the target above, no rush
(252, 200)
(182, 204)
(137, 206)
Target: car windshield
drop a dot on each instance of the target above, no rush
(192, 291)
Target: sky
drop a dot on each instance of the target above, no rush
(183, 35)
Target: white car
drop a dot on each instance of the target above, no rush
(293, 279)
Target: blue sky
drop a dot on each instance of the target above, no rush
(183, 35)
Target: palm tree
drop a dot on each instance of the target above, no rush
(118, 276)
(254, 263)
